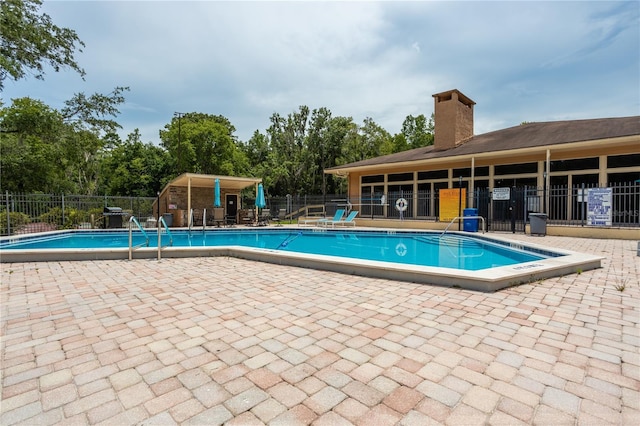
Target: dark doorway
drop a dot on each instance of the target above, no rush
(231, 207)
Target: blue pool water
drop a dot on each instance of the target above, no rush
(412, 248)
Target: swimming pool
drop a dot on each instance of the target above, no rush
(454, 259)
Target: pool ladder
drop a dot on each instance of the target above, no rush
(132, 220)
(161, 223)
(484, 226)
(192, 220)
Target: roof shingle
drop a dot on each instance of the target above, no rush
(526, 135)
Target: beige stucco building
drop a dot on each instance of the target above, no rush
(551, 165)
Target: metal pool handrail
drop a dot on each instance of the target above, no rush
(204, 220)
(484, 226)
(162, 223)
(146, 243)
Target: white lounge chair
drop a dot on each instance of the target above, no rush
(347, 221)
(322, 220)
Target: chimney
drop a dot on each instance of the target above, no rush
(454, 119)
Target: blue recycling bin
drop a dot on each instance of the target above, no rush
(470, 225)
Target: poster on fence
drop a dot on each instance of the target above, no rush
(452, 203)
(599, 206)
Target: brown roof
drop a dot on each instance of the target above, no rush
(528, 135)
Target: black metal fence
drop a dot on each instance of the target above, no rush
(27, 213)
(567, 206)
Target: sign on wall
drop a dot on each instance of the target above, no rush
(452, 203)
(599, 206)
(501, 194)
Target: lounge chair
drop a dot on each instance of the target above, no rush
(322, 220)
(346, 221)
(336, 217)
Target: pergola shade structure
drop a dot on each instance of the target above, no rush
(196, 191)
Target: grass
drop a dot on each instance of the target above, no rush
(620, 281)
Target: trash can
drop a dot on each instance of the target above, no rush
(112, 217)
(168, 218)
(470, 225)
(538, 223)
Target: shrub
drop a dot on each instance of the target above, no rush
(17, 220)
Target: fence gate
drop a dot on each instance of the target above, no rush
(504, 208)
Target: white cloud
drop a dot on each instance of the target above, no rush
(247, 60)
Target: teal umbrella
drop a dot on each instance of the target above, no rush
(260, 201)
(216, 194)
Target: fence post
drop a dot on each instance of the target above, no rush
(62, 224)
(8, 213)
(512, 209)
(582, 205)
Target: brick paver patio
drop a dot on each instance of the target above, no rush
(223, 340)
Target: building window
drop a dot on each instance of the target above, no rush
(434, 174)
(425, 200)
(371, 200)
(373, 179)
(462, 172)
(394, 192)
(592, 163)
(400, 177)
(481, 183)
(482, 171)
(628, 160)
(624, 178)
(517, 182)
(516, 169)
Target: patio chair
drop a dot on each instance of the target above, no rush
(218, 216)
(248, 219)
(282, 213)
(346, 221)
(263, 220)
(230, 220)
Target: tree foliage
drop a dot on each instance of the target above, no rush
(418, 131)
(203, 143)
(46, 150)
(30, 147)
(76, 149)
(134, 168)
(30, 41)
(92, 112)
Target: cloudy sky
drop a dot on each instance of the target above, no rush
(245, 60)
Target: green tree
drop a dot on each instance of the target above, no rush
(92, 112)
(30, 147)
(418, 131)
(87, 119)
(81, 151)
(133, 168)
(287, 140)
(326, 137)
(30, 41)
(369, 141)
(61, 150)
(317, 141)
(341, 129)
(203, 143)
